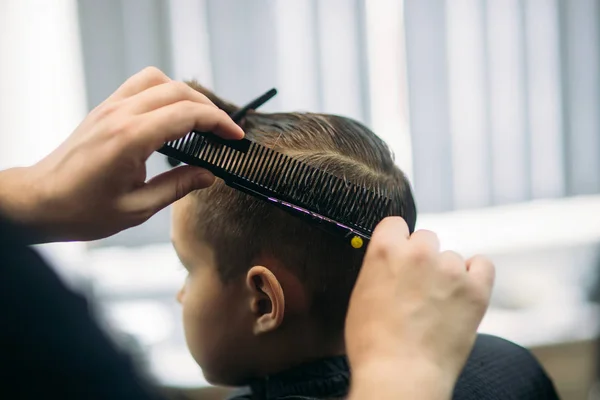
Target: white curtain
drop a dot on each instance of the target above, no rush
(504, 99)
(42, 92)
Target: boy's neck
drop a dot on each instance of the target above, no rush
(324, 378)
(299, 346)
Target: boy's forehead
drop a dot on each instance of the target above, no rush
(182, 218)
(184, 227)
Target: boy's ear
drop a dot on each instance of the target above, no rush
(267, 301)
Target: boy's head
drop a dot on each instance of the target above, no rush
(265, 289)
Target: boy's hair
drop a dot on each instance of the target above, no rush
(241, 228)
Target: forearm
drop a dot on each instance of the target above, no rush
(398, 380)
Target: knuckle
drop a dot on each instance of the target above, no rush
(481, 260)
(175, 109)
(179, 88)
(420, 253)
(149, 212)
(425, 232)
(138, 216)
(390, 226)
(184, 109)
(453, 265)
(105, 110)
(454, 272)
(124, 129)
(183, 113)
(483, 265)
(154, 74)
(139, 213)
(188, 105)
(205, 99)
(381, 248)
(453, 257)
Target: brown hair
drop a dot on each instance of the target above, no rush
(241, 228)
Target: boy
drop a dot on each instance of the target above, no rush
(270, 314)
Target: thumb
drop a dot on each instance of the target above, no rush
(170, 186)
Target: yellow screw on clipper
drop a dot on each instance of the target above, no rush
(356, 242)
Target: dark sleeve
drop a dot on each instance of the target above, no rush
(51, 347)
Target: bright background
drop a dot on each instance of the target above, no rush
(491, 107)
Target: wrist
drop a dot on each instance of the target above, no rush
(20, 198)
(411, 378)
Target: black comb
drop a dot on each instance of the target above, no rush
(333, 203)
(253, 105)
(237, 116)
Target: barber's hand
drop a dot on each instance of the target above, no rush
(94, 184)
(414, 314)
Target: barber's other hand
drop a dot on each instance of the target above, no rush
(94, 184)
(414, 313)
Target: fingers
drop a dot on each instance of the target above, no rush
(454, 260)
(392, 229)
(427, 239)
(146, 78)
(168, 187)
(452, 267)
(164, 94)
(387, 236)
(483, 272)
(176, 120)
(392, 234)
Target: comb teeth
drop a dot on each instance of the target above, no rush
(273, 174)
